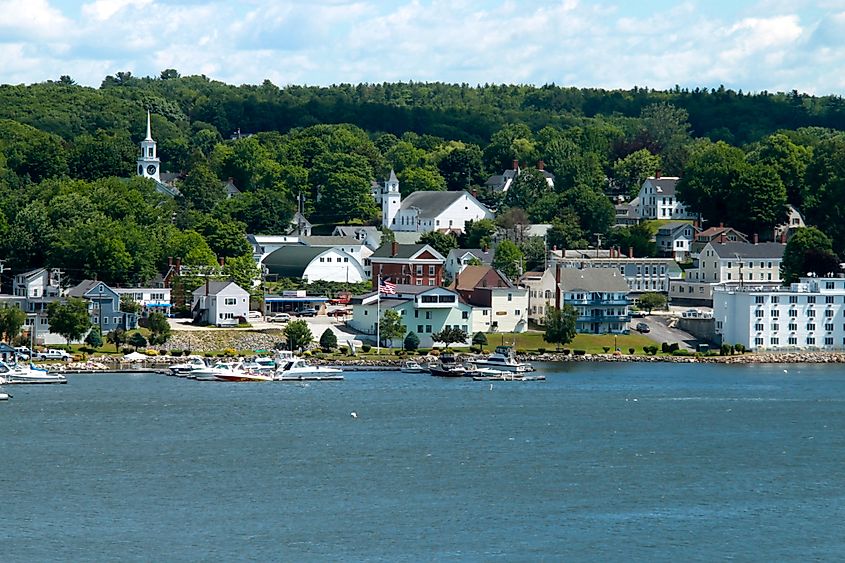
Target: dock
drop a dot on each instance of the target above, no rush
(298, 378)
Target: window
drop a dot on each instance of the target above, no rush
(517, 313)
(775, 299)
(322, 259)
(792, 341)
(793, 312)
(775, 327)
(758, 341)
(420, 328)
(774, 341)
(510, 296)
(775, 313)
(828, 327)
(428, 328)
(230, 301)
(759, 313)
(828, 341)
(464, 314)
(758, 298)
(758, 327)
(427, 315)
(793, 326)
(419, 281)
(828, 313)
(829, 285)
(793, 299)
(811, 340)
(811, 326)
(811, 313)
(811, 299)
(419, 269)
(828, 298)
(116, 320)
(431, 270)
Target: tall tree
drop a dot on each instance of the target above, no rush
(808, 251)
(69, 319)
(441, 242)
(508, 259)
(560, 325)
(298, 335)
(630, 172)
(159, 328)
(391, 326)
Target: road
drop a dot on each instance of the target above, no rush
(660, 332)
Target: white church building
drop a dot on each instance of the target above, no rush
(149, 165)
(422, 212)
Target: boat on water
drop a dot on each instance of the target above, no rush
(448, 366)
(23, 374)
(190, 365)
(504, 359)
(298, 369)
(410, 366)
(486, 375)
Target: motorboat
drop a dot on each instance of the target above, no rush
(20, 374)
(229, 371)
(504, 359)
(487, 374)
(410, 366)
(298, 369)
(190, 365)
(261, 365)
(448, 366)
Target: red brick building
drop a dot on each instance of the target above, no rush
(410, 264)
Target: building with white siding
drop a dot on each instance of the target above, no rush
(808, 315)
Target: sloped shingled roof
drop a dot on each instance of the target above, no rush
(431, 204)
(593, 280)
(748, 250)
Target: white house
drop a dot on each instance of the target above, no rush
(502, 182)
(674, 239)
(643, 275)
(150, 298)
(541, 293)
(460, 258)
(220, 303)
(657, 200)
(808, 315)
(728, 263)
(498, 305)
(422, 212)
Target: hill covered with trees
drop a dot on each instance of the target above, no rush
(66, 152)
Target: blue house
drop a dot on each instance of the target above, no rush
(104, 306)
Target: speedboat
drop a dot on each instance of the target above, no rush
(448, 366)
(229, 371)
(410, 366)
(504, 359)
(190, 365)
(298, 369)
(19, 374)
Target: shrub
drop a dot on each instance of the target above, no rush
(680, 352)
(399, 352)
(230, 352)
(631, 351)
(580, 352)
(606, 349)
(208, 355)
(87, 349)
(306, 354)
(366, 348)
(653, 349)
(566, 351)
(520, 352)
(343, 350)
(412, 341)
(664, 347)
(479, 339)
(673, 347)
(435, 352)
(740, 348)
(187, 352)
(176, 352)
(541, 350)
(725, 350)
(126, 350)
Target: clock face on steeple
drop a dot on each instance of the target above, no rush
(151, 169)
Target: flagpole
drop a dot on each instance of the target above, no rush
(378, 317)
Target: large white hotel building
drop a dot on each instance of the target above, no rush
(808, 315)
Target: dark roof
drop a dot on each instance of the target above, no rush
(290, 261)
(666, 185)
(81, 288)
(214, 287)
(671, 226)
(431, 204)
(328, 240)
(748, 250)
(485, 257)
(402, 250)
(593, 280)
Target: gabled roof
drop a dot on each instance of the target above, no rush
(713, 232)
(665, 185)
(461, 253)
(672, 226)
(593, 280)
(471, 278)
(405, 252)
(33, 273)
(85, 286)
(432, 204)
(215, 287)
(748, 250)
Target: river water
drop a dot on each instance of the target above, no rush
(601, 462)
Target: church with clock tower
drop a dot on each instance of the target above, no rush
(149, 165)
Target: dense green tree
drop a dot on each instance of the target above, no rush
(12, 320)
(594, 210)
(242, 270)
(328, 340)
(441, 242)
(512, 142)
(706, 186)
(566, 232)
(264, 211)
(630, 172)
(461, 167)
(201, 189)
(412, 342)
(560, 325)
(479, 339)
(759, 200)
(117, 337)
(390, 326)
(808, 251)
(479, 234)
(159, 328)
(345, 197)
(637, 238)
(788, 159)
(129, 305)
(40, 157)
(69, 319)
(825, 205)
(420, 180)
(534, 251)
(651, 301)
(137, 340)
(526, 189)
(94, 338)
(298, 335)
(452, 335)
(101, 155)
(508, 259)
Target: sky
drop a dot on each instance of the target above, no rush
(755, 45)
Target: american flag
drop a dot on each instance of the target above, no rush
(387, 288)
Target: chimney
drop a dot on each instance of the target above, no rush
(756, 239)
(206, 286)
(221, 261)
(178, 265)
(541, 165)
(169, 261)
(722, 238)
(630, 252)
(721, 225)
(657, 174)
(515, 164)
(783, 237)
(394, 248)
(557, 285)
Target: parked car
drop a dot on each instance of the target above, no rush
(637, 314)
(254, 315)
(642, 327)
(339, 313)
(23, 353)
(307, 312)
(278, 318)
(53, 354)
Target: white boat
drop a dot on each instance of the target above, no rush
(19, 374)
(504, 359)
(410, 366)
(190, 365)
(297, 369)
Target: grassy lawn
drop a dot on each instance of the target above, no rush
(592, 343)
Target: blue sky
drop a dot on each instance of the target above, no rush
(774, 45)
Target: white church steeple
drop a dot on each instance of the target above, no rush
(391, 201)
(148, 163)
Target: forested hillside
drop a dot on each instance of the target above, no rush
(63, 146)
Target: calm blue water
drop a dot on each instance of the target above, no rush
(600, 462)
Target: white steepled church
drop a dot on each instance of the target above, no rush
(149, 166)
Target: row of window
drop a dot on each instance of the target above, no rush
(792, 327)
(775, 313)
(329, 259)
(793, 341)
(796, 299)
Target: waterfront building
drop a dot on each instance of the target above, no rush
(643, 275)
(220, 303)
(807, 315)
(149, 298)
(103, 306)
(407, 264)
(599, 295)
(497, 304)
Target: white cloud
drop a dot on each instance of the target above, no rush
(796, 45)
